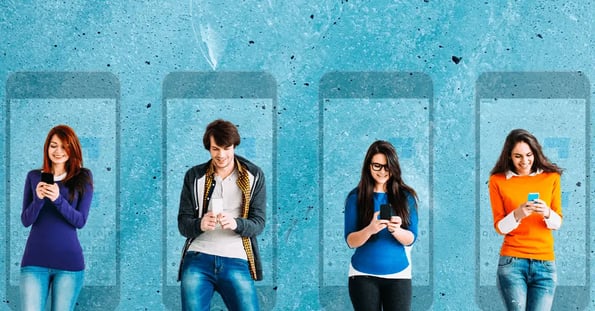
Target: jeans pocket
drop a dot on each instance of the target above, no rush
(505, 261)
(549, 265)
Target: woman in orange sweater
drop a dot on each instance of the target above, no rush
(525, 195)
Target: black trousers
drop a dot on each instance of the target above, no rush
(370, 293)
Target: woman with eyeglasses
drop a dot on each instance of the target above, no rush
(380, 269)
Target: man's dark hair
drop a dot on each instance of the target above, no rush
(224, 132)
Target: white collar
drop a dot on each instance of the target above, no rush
(510, 174)
(59, 177)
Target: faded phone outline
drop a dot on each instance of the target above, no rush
(239, 86)
(68, 86)
(550, 86)
(364, 86)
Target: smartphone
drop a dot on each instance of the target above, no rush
(89, 103)
(47, 178)
(510, 100)
(376, 105)
(533, 196)
(385, 211)
(191, 100)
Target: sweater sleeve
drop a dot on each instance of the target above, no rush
(507, 224)
(497, 203)
(31, 203)
(188, 223)
(555, 220)
(350, 214)
(76, 215)
(413, 216)
(254, 224)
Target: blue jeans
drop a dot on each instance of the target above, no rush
(37, 281)
(526, 284)
(203, 274)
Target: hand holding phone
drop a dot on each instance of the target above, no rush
(42, 189)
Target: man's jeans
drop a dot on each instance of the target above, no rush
(526, 284)
(36, 283)
(203, 274)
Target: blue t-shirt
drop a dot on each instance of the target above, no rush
(382, 253)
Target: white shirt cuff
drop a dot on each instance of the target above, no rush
(554, 222)
(508, 223)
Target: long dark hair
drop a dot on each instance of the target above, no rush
(76, 175)
(396, 189)
(540, 161)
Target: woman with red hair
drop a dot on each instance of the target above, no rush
(55, 207)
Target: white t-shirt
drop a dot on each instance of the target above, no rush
(219, 242)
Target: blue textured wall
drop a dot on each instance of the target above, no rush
(310, 85)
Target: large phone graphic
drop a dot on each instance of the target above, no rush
(89, 103)
(357, 108)
(191, 100)
(554, 106)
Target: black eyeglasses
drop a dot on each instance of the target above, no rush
(377, 166)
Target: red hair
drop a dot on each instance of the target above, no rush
(72, 146)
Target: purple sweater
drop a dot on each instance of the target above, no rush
(53, 241)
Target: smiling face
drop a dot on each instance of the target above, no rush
(522, 158)
(379, 171)
(57, 152)
(223, 157)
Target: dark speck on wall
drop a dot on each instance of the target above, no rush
(456, 59)
(148, 105)
(539, 36)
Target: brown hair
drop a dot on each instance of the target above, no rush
(223, 132)
(396, 189)
(504, 163)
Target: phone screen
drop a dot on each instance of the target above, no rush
(553, 107)
(385, 212)
(249, 101)
(87, 102)
(532, 196)
(47, 178)
(357, 108)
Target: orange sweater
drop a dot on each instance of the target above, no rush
(531, 239)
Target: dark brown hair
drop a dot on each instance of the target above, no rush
(540, 161)
(396, 188)
(224, 132)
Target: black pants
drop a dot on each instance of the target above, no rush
(370, 293)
